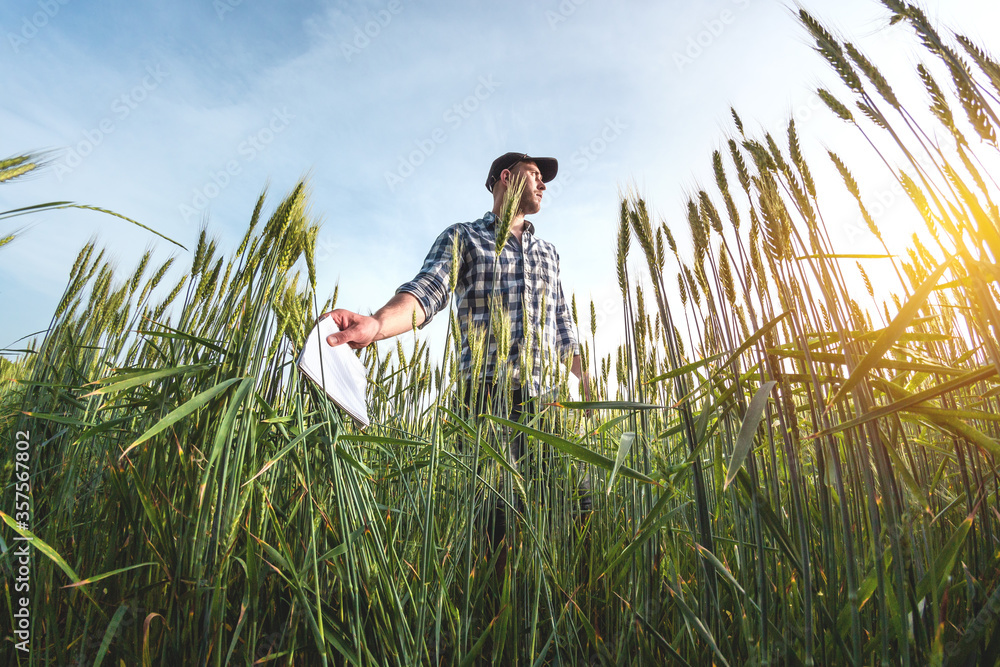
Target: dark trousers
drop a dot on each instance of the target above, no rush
(521, 407)
(490, 399)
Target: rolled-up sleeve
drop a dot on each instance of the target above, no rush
(431, 285)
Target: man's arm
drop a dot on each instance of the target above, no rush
(415, 302)
(395, 317)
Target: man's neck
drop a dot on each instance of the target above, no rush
(517, 225)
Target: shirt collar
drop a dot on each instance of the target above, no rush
(491, 220)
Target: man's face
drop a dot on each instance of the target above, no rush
(531, 198)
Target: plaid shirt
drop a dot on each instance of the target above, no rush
(527, 283)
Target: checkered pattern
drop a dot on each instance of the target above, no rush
(527, 282)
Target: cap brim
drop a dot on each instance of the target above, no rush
(549, 167)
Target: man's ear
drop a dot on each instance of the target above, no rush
(505, 176)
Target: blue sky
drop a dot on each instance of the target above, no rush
(179, 113)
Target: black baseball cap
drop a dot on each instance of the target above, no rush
(547, 165)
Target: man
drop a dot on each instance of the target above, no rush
(525, 279)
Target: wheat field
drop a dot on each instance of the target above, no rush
(784, 471)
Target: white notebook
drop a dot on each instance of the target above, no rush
(336, 370)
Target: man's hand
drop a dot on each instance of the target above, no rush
(392, 319)
(356, 330)
(577, 370)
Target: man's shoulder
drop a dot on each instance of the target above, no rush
(471, 230)
(471, 225)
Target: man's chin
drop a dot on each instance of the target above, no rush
(531, 207)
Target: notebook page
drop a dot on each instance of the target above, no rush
(336, 370)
